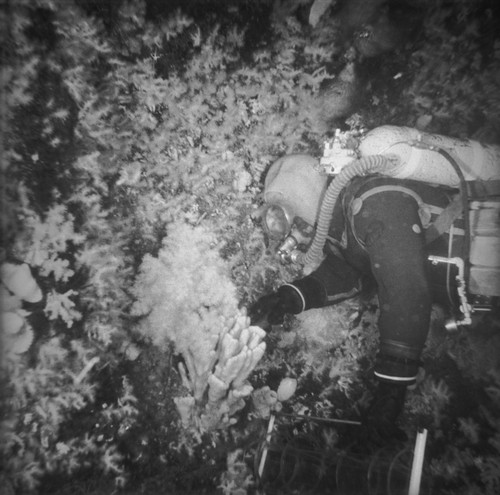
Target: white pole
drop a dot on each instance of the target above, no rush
(418, 462)
(266, 446)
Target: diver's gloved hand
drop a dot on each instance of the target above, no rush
(271, 309)
(379, 420)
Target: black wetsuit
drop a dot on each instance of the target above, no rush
(378, 236)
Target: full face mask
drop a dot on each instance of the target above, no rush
(293, 191)
(295, 234)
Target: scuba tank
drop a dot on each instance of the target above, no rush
(417, 156)
(406, 153)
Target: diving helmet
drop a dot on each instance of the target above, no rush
(293, 192)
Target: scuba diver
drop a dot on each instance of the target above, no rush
(414, 215)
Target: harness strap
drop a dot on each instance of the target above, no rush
(445, 220)
(392, 188)
(482, 189)
(356, 203)
(439, 226)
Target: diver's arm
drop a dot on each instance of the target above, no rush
(333, 281)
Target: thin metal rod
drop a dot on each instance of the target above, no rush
(266, 446)
(324, 420)
(418, 461)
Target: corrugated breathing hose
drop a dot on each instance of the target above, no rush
(364, 166)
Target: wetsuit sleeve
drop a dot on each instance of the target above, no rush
(389, 228)
(333, 281)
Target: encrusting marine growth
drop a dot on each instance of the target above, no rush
(189, 301)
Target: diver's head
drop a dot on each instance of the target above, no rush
(293, 192)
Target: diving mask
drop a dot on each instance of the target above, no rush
(277, 222)
(296, 233)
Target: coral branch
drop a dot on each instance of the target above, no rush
(188, 300)
(227, 386)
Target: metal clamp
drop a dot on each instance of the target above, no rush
(465, 307)
(338, 152)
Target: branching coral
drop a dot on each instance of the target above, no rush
(239, 351)
(41, 400)
(219, 384)
(190, 302)
(45, 245)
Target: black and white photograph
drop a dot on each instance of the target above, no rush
(250, 247)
